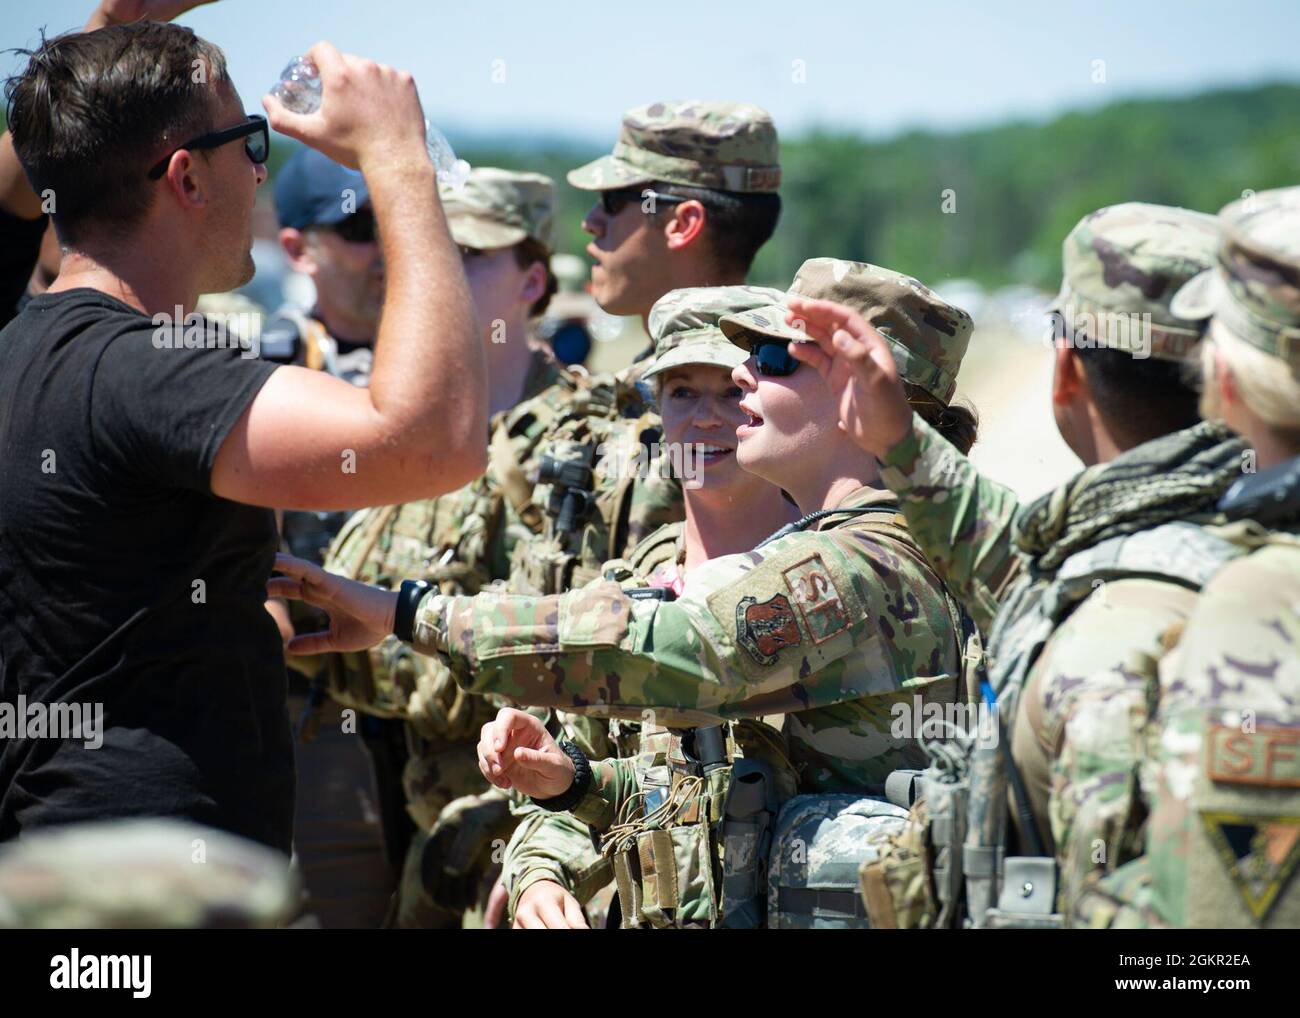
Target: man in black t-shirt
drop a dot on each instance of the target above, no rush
(139, 451)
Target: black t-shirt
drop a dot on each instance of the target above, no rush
(125, 581)
(20, 247)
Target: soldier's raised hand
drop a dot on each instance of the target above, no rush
(360, 615)
(516, 751)
(859, 367)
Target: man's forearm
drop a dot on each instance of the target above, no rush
(429, 381)
(16, 194)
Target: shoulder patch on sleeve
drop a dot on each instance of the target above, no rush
(817, 598)
(765, 627)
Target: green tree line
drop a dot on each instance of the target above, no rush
(1016, 189)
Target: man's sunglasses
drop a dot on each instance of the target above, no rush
(614, 202)
(773, 357)
(255, 132)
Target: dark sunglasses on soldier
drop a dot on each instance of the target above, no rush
(772, 356)
(614, 202)
(254, 131)
(356, 228)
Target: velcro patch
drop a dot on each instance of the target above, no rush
(764, 628)
(1260, 854)
(1268, 756)
(817, 598)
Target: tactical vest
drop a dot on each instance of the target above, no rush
(384, 546)
(717, 836)
(590, 465)
(690, 848)
(950, 865)
(661, 548)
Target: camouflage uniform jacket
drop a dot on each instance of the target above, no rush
(461, 542)
(1060, 585)
(830, 626)
(1217, 740)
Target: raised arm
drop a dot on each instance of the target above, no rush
(311, 441)
(961, 519)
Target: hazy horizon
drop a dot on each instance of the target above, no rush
(566, 72)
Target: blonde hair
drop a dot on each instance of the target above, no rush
(1269, 388)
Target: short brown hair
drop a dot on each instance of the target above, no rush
(958, 423)
(531, 250)
(92, 111)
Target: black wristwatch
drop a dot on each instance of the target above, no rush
(581, 781)
(409, 596)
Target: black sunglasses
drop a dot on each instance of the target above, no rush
(254, 130)
(357, 227)
(773, 357)
(614, 202)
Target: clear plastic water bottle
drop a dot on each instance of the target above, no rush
(299, 91)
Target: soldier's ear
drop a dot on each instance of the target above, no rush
(685, 226)
(1068, 378)
(1224, 382)
(294, 245)
(534, 284)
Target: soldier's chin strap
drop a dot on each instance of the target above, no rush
(803, 521)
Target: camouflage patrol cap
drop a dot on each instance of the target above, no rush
(719, 145)
(142, 873)
(684, 325)
(498, 208)
(928, 335)
(1253, 291)
(1121, 267)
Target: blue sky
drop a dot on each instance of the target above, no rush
(877, 67)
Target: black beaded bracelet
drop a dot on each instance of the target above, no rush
(409, 596)
(581, 781)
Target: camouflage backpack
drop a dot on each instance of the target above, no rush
(1220, 759)
(949, 867)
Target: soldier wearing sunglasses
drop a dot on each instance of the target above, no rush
(831, 620)
(327, 233)
(685, 199)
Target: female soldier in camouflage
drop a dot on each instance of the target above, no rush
(831, 626)
(550, 867)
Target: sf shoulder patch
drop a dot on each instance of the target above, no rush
(765, 627)
(1260, 854)
(817, 598)
(1269, 756)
